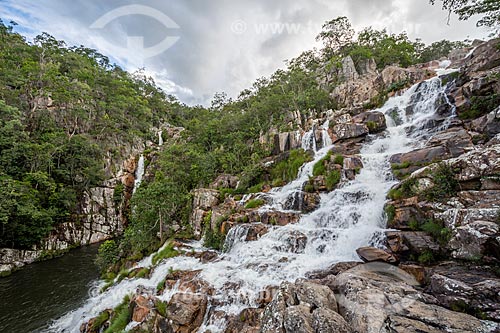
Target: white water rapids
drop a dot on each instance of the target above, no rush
(347, 218)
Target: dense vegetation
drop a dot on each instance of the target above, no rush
(63, 109)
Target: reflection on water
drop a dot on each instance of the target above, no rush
(41, 292)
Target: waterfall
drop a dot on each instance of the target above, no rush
(309, 140)
(347, 218)
(139, 172)
(160, 138)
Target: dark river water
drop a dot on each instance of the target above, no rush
(41, 292)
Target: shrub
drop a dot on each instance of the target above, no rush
(390, 212)
(332, 179)
(167, 252)
(372, 126)
(99, 321)
(437, 230)
(288, 169)
(339, 159)
(320, 167)
(214, 239)
(481, 105)
(445, 184)
(120, 318)
(254, 203)
(161, 308)
(107, 255)
(399, 166)
(426, 257)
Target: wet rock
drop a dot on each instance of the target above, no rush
(293, 241)
(142, 307)
(186, 312)
(348, 131)
(302, 201)
(333, 270)
(248, 321)
(417, 271)
(187, 281)
(279, 218)
(369, 254)
(351, 167)
(374, 120)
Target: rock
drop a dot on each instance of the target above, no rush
(456, 141)
(477, 163)
(349, 72)
(186, 312)
(248, 321)
(375, 296)
(302, 201)
(419, 241)
(475, 240)
(466, 288)
(326, 321)
(292, 241)
(374, 120)
(351, 166)
(333, 270)
(484, 57)
(417, 271)
(205, 198)
(142, 307)
(488, 124)
(367, 67)
(369, 254)
(395, 75)
(188, 282)
(279, 218)
(293, 308)
(419, 157)
(348, 131)
(225, 181)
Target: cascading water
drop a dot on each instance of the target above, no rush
(348, 218)
(139, 173)
(160, 138)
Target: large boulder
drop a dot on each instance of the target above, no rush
(378, 297)
(303, 307)
(369, 254)
(186, 312)
(374, 120)
(349, 131)
(484, 57)
(475, 240)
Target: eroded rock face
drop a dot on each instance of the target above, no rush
(377, 297)
(303, 307)
(350, 130)
(475, 240)
(186, 311)
(375, 121)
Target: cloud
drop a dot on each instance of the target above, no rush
(224, 45)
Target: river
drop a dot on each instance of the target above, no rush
(41, 292)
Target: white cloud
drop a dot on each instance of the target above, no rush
(210, 57)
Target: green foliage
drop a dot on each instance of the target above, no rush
(120, 318)
(167, 252)
(339, 159)
(108, 254)
(397, 86)
(254, 203)
(332, 179)
(405, 190)
(320, 167)
(372, 126)
(399, 166)
(161, 308)
(489, 10)
(214, 239)
(99, 321)
(390, 212)
(480, 105)
(426, 257)
(288, 169)
(445, 183)
(439, 49)
(437, 230)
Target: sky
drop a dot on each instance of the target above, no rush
(195, 48)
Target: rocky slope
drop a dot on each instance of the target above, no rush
(435, 267)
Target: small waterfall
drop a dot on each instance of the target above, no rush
(309, 140)
(325, 137)
(347, 218)
(160, 138)
(139, 173)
